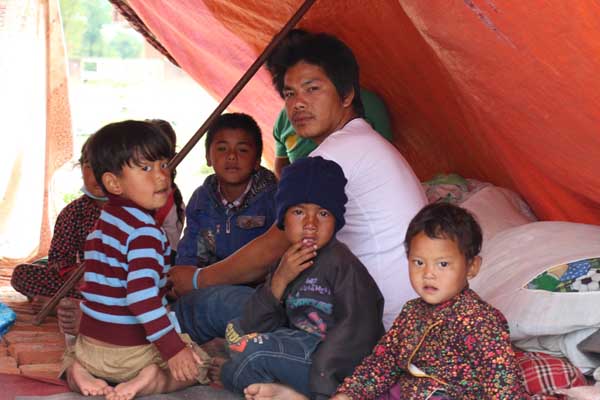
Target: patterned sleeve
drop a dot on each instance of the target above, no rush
(498, 371)
(379, 371)
(65, 244)
(145, 278)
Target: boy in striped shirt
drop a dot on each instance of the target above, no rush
(127, 335)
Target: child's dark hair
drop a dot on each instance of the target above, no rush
(236, 121)
(323, 50)
(84, 156)
(167, 129)
(447, 221)
(126, 143)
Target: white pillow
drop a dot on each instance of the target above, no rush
(497, 209)
(513, 257)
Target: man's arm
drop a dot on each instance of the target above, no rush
(280, 163)
(248, 264)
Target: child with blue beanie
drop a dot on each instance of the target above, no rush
(319, 313)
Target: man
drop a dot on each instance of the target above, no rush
(318, 77)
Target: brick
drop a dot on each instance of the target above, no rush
(36, 353)
(8, 365)
(28, 326)
(33, 337)
(10, 370)
(6, 361)
(50, 370)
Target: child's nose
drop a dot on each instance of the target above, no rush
(310, 221)
(429, 272)
(163, 173)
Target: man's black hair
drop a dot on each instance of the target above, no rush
(321, 49)
(236, 121)
(126, 143)
(447, 221)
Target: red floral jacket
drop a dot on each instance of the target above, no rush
(461, 347)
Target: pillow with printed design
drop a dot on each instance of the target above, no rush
(542, 277)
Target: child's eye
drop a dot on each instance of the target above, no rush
(418, 263)
(311, 89)
(287, 94)
(444, 264)
(296, 211)
(164, 165)
(146, 168)
(243, 149)
(324, 213)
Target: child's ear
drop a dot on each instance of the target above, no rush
(257, 164)
(473, 268)
(112, 183)
(208, 162)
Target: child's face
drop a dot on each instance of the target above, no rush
(310, 224)
(147, 184)
(232, 154)
(438, 270)
(89, 181)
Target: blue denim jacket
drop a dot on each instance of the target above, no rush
(213, 232)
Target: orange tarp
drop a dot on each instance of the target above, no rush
(506, 92)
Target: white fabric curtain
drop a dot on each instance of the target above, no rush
(35, 139)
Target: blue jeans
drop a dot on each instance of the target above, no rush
(204, 313)
(282, 356)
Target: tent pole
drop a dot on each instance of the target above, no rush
(78, 273)
(241, 83)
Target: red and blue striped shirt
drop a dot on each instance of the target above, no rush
(126, 261)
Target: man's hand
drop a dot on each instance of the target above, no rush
(184, 365)
(295, 260)
(181, 277)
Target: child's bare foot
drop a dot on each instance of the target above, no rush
(83, 382)
(146, 382)
(38, 302)
(272, 391)
(214, 371)
(69, 316)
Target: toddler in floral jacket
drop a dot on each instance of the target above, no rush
(448, 343)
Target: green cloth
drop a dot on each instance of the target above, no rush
(292, 146)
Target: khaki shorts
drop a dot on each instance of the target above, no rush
(121, 364)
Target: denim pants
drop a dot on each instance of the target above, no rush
(204, 313)
(282, 356)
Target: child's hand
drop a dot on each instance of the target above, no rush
(184, 365)
(295, 260)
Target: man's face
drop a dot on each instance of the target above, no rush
(313, 105)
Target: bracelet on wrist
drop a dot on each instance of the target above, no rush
(195, 279)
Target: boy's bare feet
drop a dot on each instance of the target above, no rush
(214, 371)
(38, 302)
(69, 316)
(149, 380)
(83, 382)
(272, 391)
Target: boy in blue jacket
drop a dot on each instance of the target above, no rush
(236, 203)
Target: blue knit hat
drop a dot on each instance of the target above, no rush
(312, 180)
